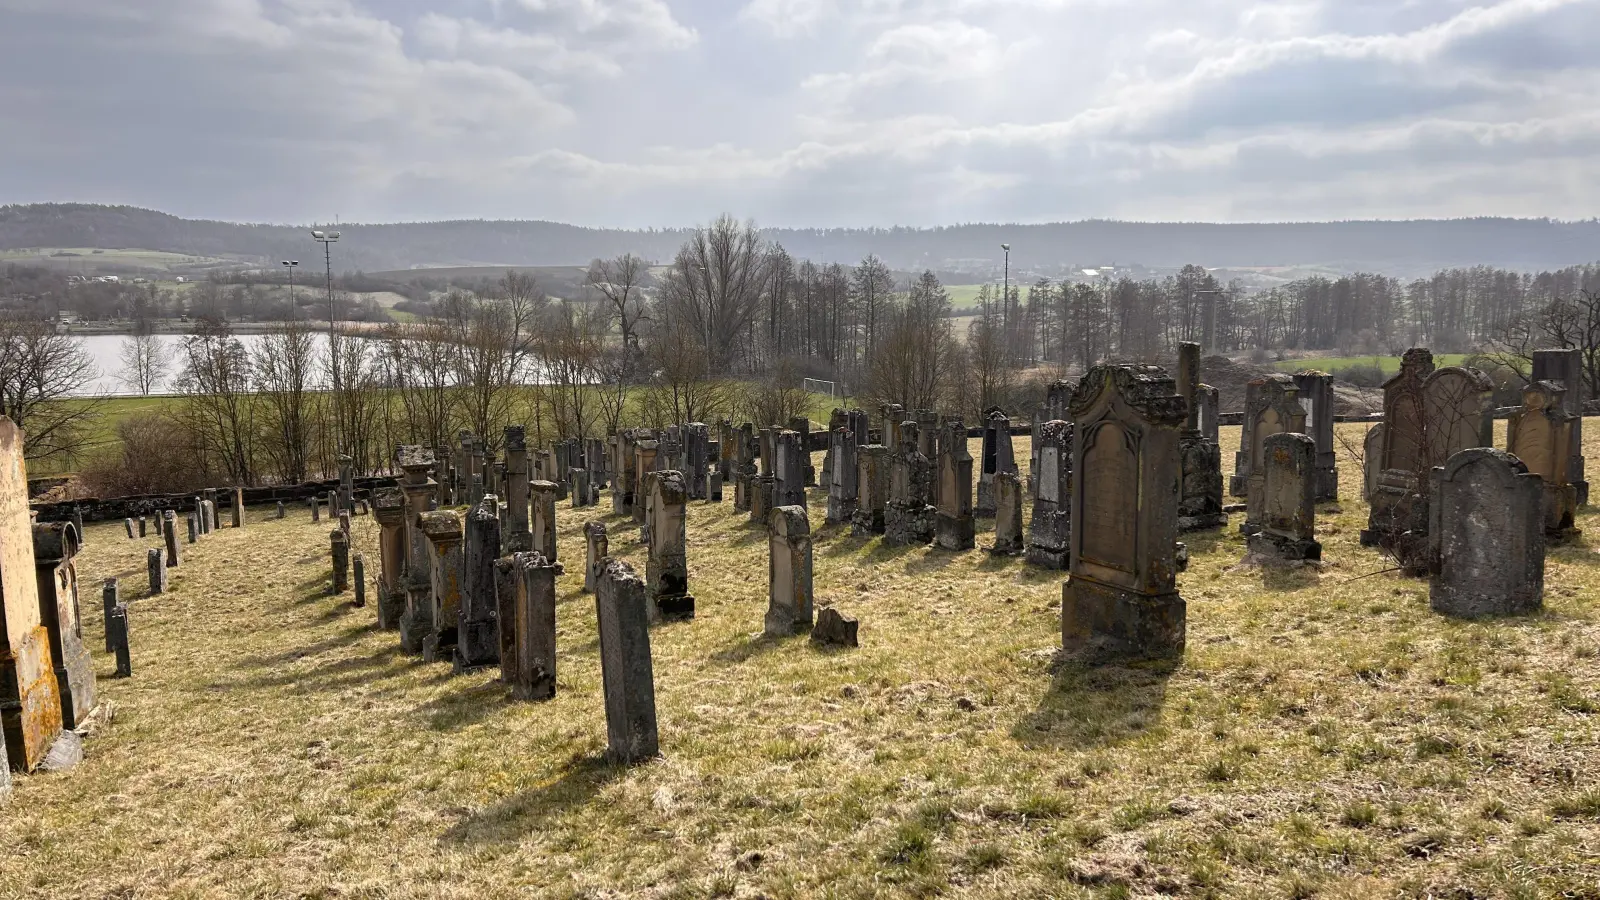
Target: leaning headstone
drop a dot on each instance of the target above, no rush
(1200, 496)
(834, 629)
(442, 529)
(667, 569)
(128, 524)
(156, 565)
(1539, 434)
(55, 544)
(1007, 492)
(533, 674)
(597, 548)
(359, 571)
(117, 634)
(281, 509)
(1050, 532)
(110, 596)
(954, 528)
(1486, 541)
(1288, 501)
(626, 672)
(872, 489)
(1316, 395)
(339, 541)
(789, 572)
(1565, 367)
(997, 456)
(1121, 598)
(477, 637)
(169, 530)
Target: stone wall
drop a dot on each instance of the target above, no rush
(114, 508)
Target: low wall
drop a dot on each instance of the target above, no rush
(111, 509)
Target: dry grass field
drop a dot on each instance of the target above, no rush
(1326, 735)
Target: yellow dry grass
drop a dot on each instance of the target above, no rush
(1323, 736)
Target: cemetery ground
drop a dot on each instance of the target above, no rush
(1325, 735)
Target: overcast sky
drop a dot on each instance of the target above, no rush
(803, 112)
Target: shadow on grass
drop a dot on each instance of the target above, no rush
(513, 818)
(749, 647)
(351, 671)
(1289, 578)
(1096, 706)
(342, 639)
(1210, 540)
(467, 706)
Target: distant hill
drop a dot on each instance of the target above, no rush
(1401, 248)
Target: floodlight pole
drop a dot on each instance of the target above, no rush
(290, 265)
(327, 239)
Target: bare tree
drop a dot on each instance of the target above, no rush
(715, 288)
(683, 389)
(422, 367)
(285, 365)
(918, 360)
(490, 343)
(145, 362)
(569, 350)
(217, 408)
(41, 372)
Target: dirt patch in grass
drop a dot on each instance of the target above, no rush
(1323, 736)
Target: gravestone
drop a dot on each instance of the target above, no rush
(644, 455)
(1200, 496)
(893, 416)
(110, 596)
(597, 548)
(745, 472)
(543, 536)
(1288, 501)
(697, 457)
(1121, 599)
(212, 522)
(532, 621)
(667, 568)
(1210, 400)
(954, 528)
(477, 630)
(193, 524)
(1372, 460)
(843, 477)
(143, 527)
(837, 420)
(346, 483)
(339, 541)
(519, 536)
(156, 565)
(788, 572)
(626, 672)
(1272, 406)
(30, 704)
(281, 509)
(998, 455)
(801, 425)
(1007, 487)
(1486, 541)
(419, 490)
(344, 521)
(388, 508)
(446, 567)
(1316, 395)
(834, 629)
(1050, 532)
(238, 507)
(358, 568)
(872, 489)
(1565, 367)
(791, 469)
(117, 634)
(1539, 434)
(714, 489)
(908, 516)
(169, 531)
(55, 544)
(128, 524)
(316, 513)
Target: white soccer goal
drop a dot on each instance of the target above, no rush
(817, 386)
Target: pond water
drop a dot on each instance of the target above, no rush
(106, 351)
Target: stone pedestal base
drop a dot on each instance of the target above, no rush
(1327, 484)
(866, 522)
(30, 704)
(1058, 558)
(1100, 623)
(908, 524)
(954, 533)
(1468, 604)
(391, 606)
(1267, 547)
(477, 645)
(672, 609)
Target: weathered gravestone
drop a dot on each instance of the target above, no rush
(1539, 434)
(169, 531)
(339, 544)
(1210, 401)
(1121, 599)
(1007, 487)
(110, 596)
(30, 703)
(764, 488)
(55, 544)
(281, 509)
(518, 535)
(667, 568)
(1316, 396)
(1288, 509)
(697, 454)
(580, 488)
(597, 547)
(1565, 367)
(835, 629)
(358, 569)
(117, 635)
(837, 420)
(544, 519)
(801, 425)
(419, 491)
(1272, 406)
(156, 565)
(388, 507)
(792, 458)
(953, 527)
(1372, 460)
(238, 507)
(997, 456)
(194, 527)
(908, 517)
(1050, 532)
(477, 630)
(128, 524)
(1486, 541)
(843, 477)
(872, 490)
(1200, 497)
(626, 672)
(528, 658)
(789, 572)
(143, 527)
(442, 529)
(644, 456)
